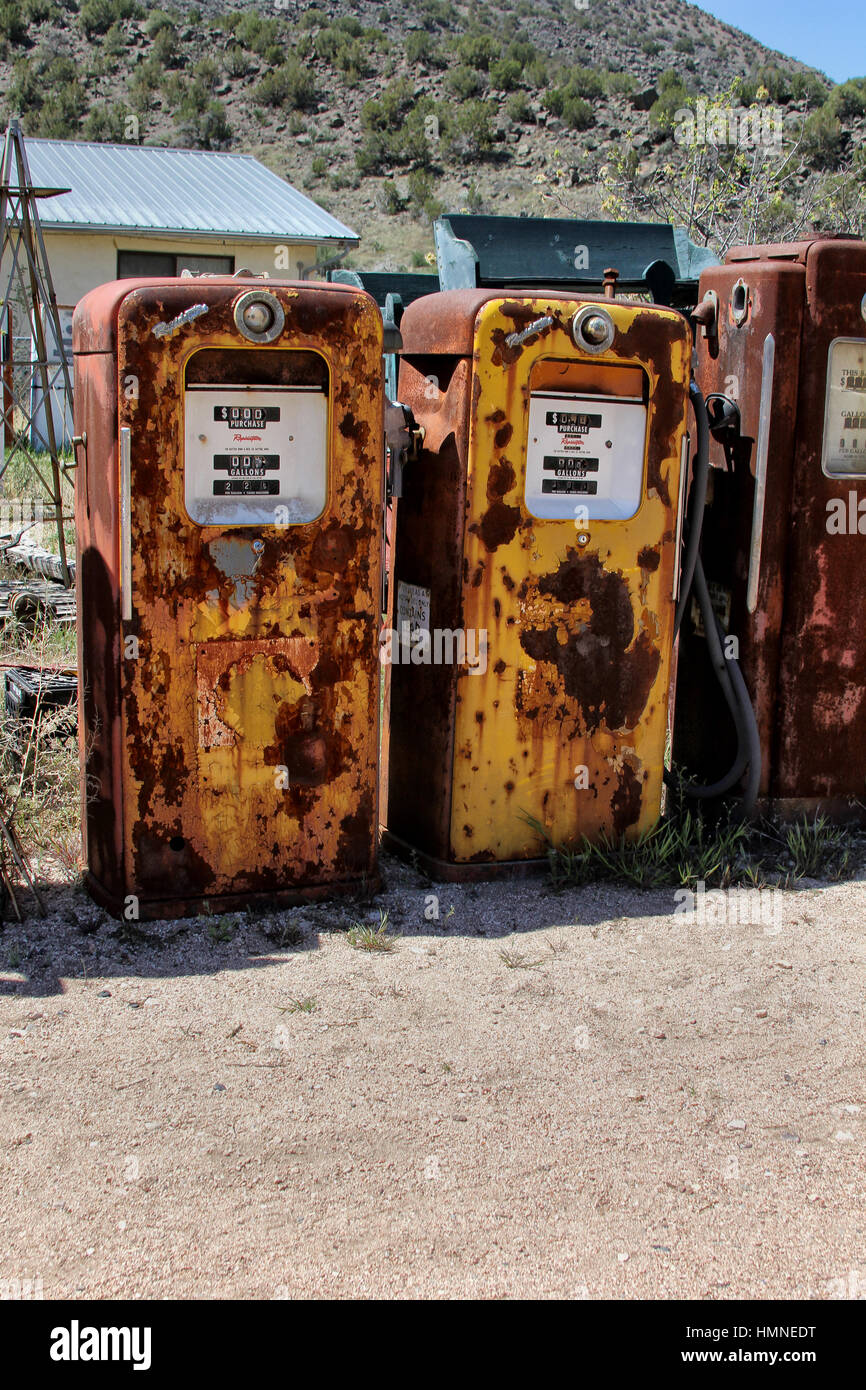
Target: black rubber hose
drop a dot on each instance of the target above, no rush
(749, 797)
(730, 677)
(727, 670)
(697, 502)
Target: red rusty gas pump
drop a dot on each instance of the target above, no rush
(228, 513)
(781, 359)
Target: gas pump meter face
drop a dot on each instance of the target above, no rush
(844, 453)
(586, 450)
(255, 454)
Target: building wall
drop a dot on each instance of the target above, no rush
(80, 261)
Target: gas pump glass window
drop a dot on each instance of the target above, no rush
(844, 453)
(585, 449)
(255, 437)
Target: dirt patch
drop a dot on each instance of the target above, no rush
(539, 1094)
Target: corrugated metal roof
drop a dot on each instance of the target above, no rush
(139, 188)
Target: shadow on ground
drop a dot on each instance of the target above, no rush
(79, 940)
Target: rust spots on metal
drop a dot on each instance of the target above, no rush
(504, 353)
(501, 479)
(223, 668)
(333, 548)
(641, 342)
(649, 558)
(626, 800)
(354, 843)
(604, 667)
(498, 525)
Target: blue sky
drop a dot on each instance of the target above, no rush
(831, 37)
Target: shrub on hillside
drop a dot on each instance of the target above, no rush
(395, 126)
(344, 49)
(46, 89)
(392, 203)
(468, 134)
(97, 16)
(505, 74)
(619, 83)
(518, 109)
(257, 34)
(808, 87)
(422, 198)
(290, 85)
(478, 50)
(165, 49)
(567, 103)
(108, 121)
(849, 99)
(13, 22)
(388, 111)
(235, 61)
(464, 82)
(156, 21)
(115, 43)
(421, 49)
(822, 138)
(438, 14)
(673, 97)
(204, 130)
(775, 82)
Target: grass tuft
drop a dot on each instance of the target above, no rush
(299, 1006)
(363, 936)
(517, 960)
(819, 849)
(689, 848)
(222, 930)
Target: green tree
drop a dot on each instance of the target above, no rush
(726, 194)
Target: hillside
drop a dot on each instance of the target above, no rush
(388, 117)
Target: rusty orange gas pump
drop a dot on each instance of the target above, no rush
(782, 361)
(228, 513)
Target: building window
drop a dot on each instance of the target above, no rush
(131, 265)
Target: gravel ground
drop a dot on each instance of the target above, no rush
(541, 1094)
